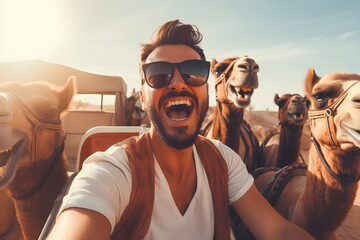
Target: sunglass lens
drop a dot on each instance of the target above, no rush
(195, 72)
(158, 74)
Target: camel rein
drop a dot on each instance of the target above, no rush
(222, 79)
(329, 114)
(38, 127)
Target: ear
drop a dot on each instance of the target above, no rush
(133, 91)
(66, 93)
(212, 66)
(281, 101)
(142, 99)
(276, 99)
(310, 80)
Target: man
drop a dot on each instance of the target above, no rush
(163, 186)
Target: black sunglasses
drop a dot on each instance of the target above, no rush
(159, 74)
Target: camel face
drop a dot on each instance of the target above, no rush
(293, 108)
(337, 97)
(135, 115)
(30, 126)
(240, 80)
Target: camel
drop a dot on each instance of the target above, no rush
(320, 200)
(235, 81)
(281, 149)
(9, 226)
(135, 115)
(32, 164)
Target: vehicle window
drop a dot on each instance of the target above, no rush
(93, 102)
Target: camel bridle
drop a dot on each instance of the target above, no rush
(38, 127)
(222, 79)
(329, 114)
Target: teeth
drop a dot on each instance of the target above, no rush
(246, 89)
(178, 102)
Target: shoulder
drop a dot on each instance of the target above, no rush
(226, 151)
(113, 156)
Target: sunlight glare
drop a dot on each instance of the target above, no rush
(29, 29)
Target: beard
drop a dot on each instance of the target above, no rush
(173, 140)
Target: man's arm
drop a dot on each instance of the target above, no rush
(80, 223)
(263, 221)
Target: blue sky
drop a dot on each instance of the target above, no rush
(286, 38)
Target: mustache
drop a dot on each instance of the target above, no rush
(174, 94)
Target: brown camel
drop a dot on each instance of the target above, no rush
(135, 115)
(32, 164)
(235, 81)
(320, 201)
(9, 226)
(281, 149)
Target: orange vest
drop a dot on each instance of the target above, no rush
(135, 220)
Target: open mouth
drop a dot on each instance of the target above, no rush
(8, 162)
(352, 132)
(242, 95)
(179, 110)
(296, 117)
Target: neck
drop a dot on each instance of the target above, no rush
(33, 211)
(326, 202)
(170, 158)
(289, 145)
(228, 132)
(179, 170)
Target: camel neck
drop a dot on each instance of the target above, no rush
(325, 201)
(33, 211)
(227, 131)
(289, 145)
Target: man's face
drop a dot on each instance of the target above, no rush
(176, 110)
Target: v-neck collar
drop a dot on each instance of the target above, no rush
(166, 186)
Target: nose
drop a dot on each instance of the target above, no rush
(5, 111)
(247, 65)
(177, 82)
(298, 100)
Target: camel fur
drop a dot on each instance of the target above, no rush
(32, 163)
(135, 115)
(283, 148)
(236, 80)
(320, 201)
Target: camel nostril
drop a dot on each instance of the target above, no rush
(241, 66)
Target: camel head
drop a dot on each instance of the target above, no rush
(293, 109)
(135, 115)
(30, 125)
(335, 109)
(235, 80)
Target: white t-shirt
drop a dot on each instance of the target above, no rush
(101, 187)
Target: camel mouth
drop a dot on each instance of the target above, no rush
(242, 94)
(352, 132)
(179, 110)
(8, 162)
(296, 117)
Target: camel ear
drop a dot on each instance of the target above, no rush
(133, 91)
(212, 66)
(281, 101)
(66, 93)
(310, 80)
(276, 98)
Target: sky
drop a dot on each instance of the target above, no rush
(285, 37)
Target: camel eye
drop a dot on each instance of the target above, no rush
(319, 97)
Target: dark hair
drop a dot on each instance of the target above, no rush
(173, 33)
